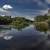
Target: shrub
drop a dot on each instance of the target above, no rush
(41, 26)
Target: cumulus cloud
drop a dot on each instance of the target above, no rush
(2, 10)
(5, 9)
(7, 6)
(21, 12)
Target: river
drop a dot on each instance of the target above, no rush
(25, 39)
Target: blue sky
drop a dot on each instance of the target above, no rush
(27, 8)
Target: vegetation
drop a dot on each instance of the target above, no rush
(42, 23)
(41, 18)
(18, 22)
(41, 26)
(5, 20)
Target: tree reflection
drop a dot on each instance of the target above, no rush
(20, 27)
(41, 26)
(4, 29)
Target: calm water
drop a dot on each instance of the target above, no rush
(14, 39)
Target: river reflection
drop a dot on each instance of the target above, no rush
(14, 39)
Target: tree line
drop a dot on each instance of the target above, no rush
(6, 20)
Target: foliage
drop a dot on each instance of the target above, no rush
(41, 26)
(41, 18)
(42, 23)
(21, 22)
(5, 20)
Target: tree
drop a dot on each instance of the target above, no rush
(41, 18)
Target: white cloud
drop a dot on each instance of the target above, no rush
(5, 11)
(7, 6)
(28, 17)
(43, 12)
(2, 15)
(7, 37)
(2, 10)
(48, 1)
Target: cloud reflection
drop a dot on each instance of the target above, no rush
(7, 37)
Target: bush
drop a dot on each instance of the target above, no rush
(41, 26)
(48, 23)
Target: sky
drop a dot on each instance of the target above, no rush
(26, 8)
(48, 3)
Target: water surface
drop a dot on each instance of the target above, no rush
(27, 37)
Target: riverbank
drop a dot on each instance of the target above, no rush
(18, 22)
